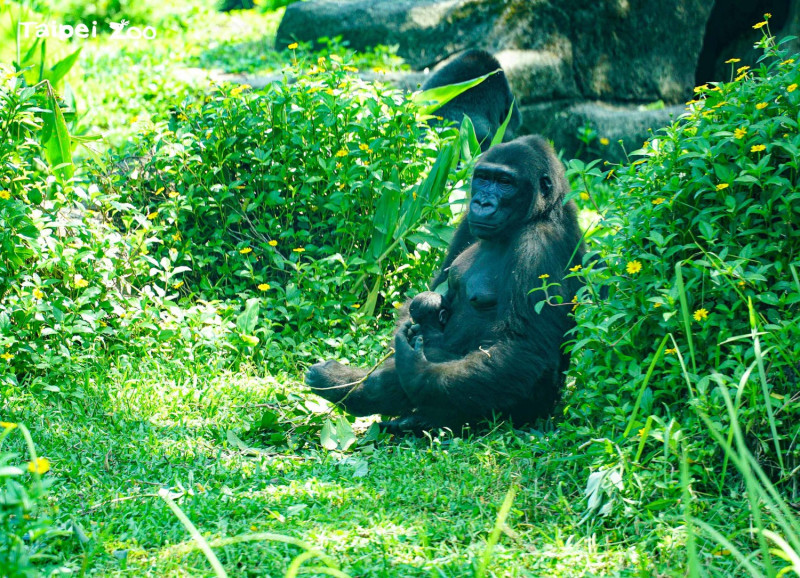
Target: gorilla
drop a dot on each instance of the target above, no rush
(487, 105)
(429, 316)
(490, 352)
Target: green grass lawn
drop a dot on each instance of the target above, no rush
(388, 507)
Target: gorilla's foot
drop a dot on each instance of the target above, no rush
(332, 380)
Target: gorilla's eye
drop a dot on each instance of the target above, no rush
(504, 180)
(546, 185)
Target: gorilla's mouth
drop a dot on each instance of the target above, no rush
(482, 228)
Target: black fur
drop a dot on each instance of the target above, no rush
(487, 105)
(495, 354)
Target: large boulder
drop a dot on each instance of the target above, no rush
(620, 49)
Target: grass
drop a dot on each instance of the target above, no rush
(387, 508)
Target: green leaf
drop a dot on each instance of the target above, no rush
(327, 436)
(248, 319)
(501, 132)
(56, 139)
(344, 431)
(432, 99)
(61, 68)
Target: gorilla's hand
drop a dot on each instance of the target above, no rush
(410, 360)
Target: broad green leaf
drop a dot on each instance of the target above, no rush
(56, 139)
(327, 436)
(248, 319)
(62, 68)
(432, 99)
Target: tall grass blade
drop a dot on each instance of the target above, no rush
(495, 535)
(687, 323)
(196, 535)
(762, 374)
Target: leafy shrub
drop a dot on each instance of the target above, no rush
(704, 224)
(72, 287)
(301, 195)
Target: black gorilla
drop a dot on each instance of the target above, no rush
(495, 353)
(486, 104)
(429, 316)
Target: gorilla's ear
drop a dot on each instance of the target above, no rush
(546, 185)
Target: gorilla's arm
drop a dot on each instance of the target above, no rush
(497, 377)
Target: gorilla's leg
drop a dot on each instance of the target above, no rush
(378, 393)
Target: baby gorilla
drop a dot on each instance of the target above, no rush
(429, 316)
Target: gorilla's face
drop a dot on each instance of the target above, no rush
(497, 202)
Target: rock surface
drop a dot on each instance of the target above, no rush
(570, 63)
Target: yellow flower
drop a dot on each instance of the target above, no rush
(740, 133)
(767, 16)
(329, 91)
(245, 251)
(742, 283)
(656, 305)
(671, 351)
(37, 293)
(701, 88)
(584, 196)
(760, 24)
(700, 314)
(292, 46)
(633, 267)
(5, 195)
(80, 282)
(742, 69)
(757, 148)
(733, 60)
(342, 152)
(176, 237)
(576, 268)
(299, 250)
(152, 216)
(357, 306)
(177, 285)
(604, 141)
(350, 68)
(761, 105)
(741, 76)
(544, 276)
(363, 147)
(789, 61)
(7, 356)
(7, 424)
(40, 466)
(254, 528)
(722, 186)
(264, 287)
(273, 243)
(791, 88)
(173, 194)
(658, 201)
(575, 301)
(610, 174)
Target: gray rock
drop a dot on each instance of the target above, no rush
(625, 126)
